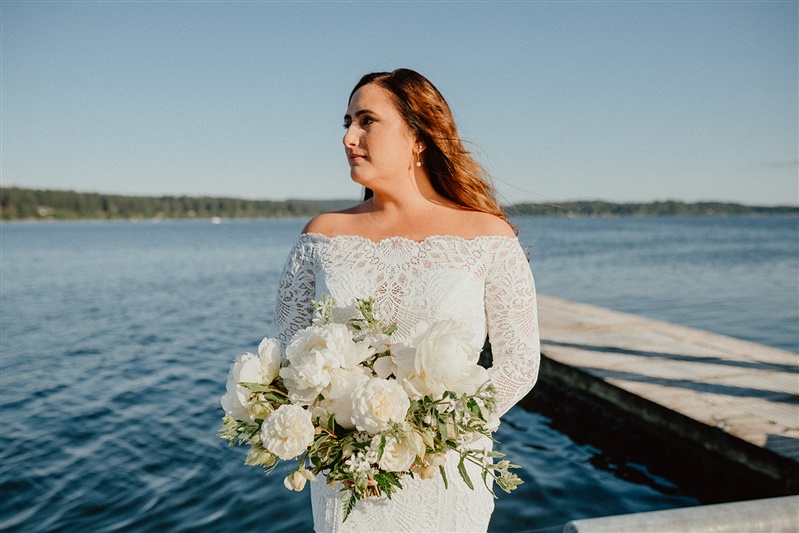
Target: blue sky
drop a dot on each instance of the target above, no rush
(621, 101)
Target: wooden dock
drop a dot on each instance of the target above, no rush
(729, 397)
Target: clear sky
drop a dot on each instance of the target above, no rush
(621, 101)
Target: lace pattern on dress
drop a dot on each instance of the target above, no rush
(484, 282)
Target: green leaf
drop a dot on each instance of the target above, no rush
(387, 481)
(276, 399)
(474, 408)
(255, 387)
(444, 476)
(349, 506)
(382, 447)
(464, 474)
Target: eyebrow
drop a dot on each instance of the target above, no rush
(359, 113)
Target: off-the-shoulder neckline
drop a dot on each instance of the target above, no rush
(429, 238)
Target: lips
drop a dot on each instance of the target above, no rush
(354, 158)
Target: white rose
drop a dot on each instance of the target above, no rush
(338, 398)
(246, 368)
(269, 353)
(288, 431)
(378, 402)
(442, 357)
(397, 456)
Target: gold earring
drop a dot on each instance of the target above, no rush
(419, 156)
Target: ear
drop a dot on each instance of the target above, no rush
(420, 147)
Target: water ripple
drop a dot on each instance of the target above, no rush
(115, 357)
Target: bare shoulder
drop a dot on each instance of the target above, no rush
(332, 224)
(478, 224)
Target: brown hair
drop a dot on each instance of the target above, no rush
(453, 172)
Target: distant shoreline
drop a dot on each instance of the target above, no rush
(50, 205)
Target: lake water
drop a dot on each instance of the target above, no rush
(116, 338)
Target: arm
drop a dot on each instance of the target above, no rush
(512, 317)
(296, 291)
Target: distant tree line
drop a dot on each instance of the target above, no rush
(32, 204)
(25, 204)
(667, 208)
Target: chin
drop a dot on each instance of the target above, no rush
(356, 177)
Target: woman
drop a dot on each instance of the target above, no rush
(429, 243)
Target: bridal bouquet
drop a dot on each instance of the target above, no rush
(365, 412)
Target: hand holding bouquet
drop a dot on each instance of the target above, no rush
(361, 410)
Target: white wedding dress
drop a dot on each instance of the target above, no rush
(484, 283)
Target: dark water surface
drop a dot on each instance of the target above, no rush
(116, 337)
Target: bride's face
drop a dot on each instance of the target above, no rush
(378, 142)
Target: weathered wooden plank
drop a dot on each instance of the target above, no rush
(748, 391)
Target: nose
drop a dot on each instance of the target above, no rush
(350, 138)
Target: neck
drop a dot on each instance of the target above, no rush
(418, 194)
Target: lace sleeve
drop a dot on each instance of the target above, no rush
(512, 316)
(295, 293)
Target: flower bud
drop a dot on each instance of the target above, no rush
(436, 459)
(428, 439)
(348, 450)
(492, 423)
(416, 443)
(427, 472)
(259, 456)
(445, 406)
(259, 408)
(295, 481)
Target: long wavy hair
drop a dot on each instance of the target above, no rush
(453, 173)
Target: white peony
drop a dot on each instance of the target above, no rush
(333, 339)
(398, 455)
(378, 402)
(338, 398)
(314, 354)
(288, 431)
(442, 357)
(306, 377)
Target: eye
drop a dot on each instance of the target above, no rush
(366, 120)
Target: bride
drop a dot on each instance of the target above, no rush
(429, 243)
